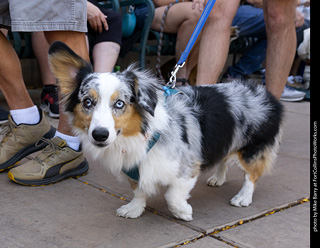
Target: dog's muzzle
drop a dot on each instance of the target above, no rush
(100, 135)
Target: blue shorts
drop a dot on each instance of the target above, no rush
(43, 15)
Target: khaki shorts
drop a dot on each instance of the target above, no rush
(43, 15)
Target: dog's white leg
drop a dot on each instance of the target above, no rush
(219, 176)
(135, 208)
(177, 196)
(244, 197)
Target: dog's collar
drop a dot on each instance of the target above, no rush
(133, 173)
(169, 91)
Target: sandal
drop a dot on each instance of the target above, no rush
(182, 81)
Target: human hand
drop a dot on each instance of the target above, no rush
(200, 3)
(96, 18)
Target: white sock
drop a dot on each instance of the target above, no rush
(26, 116)
(72, 141)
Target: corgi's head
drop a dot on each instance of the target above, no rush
(102, 105)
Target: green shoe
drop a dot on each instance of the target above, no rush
(20, 140)
(57, 161)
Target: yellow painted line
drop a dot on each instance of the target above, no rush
(104, 191)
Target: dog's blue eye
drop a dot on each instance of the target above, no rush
(87, 103)
(119, 104)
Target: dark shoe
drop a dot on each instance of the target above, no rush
(3, 115)
(50, 101)
(182, 82)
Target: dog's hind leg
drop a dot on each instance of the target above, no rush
(177, 195)
(253, 168)
(136, 207)
(244, 197)
(219, 176)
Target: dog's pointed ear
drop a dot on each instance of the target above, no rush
(69, 68)
(144, 88)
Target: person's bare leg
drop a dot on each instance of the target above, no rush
(184, 33)
(295, 66)
(191, 61)
(77, 42)
(105, 55)
(215, 39)
(181, 20)
(280, 25)
(11, 82)
(40, 49)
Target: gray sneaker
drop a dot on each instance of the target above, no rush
(291, 95)
(20, 140)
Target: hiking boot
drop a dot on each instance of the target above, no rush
(57, 161)
(20, 140)
(50, 101)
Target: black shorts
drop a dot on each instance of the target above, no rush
(114, 34)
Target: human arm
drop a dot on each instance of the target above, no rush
(97, 20)
(195, 3)
(159, 3)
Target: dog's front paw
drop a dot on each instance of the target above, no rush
(242, 199)
(216, 181)
(130, 211)
(182, 212)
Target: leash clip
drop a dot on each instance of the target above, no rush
(173, 78)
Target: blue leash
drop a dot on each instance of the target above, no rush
(194, 36)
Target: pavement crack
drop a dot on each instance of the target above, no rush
(203, 233)
(113, 194)
(152, 210)
(177, 221)
(242, 222)
(227, 242)
(262, 215)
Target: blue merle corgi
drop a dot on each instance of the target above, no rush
(116, 115)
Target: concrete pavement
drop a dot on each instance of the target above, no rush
(82, 212)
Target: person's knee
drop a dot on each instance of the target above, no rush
(194, 17)
(279, 14)
(223, 12)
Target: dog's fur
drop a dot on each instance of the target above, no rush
(115, 115)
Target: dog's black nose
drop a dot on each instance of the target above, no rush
(100, 134)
